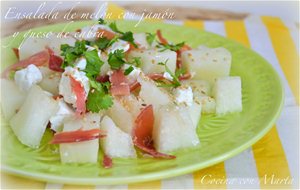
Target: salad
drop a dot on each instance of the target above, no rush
(102, 89)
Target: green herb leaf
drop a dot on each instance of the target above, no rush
(175, 81)
(113, 27)
(98, 100)
(128, 36)
(71, 53)
(171, 47)
(150, 38)
(116, 59)
(101, 21)
(136, 61)
(94, 63)
(101, 43)
(128, 70)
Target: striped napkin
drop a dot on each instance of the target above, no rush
(273, 162)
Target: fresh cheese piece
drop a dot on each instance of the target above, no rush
(207, 63)
(168, 76)
(30, 123)
(116, 144)
(80, 63)
(64, 112)
(50, 81)
(90, 33)
(151, 94)
(184, 95)
(26, 78)
(34, 45)
(172, 123)
(12, 98)
(151, 58)
(228, 94)
(141, 40)
(85, 151)
(65, 88)
(121, 115)
(118, 45)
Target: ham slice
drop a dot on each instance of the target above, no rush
(76, 136)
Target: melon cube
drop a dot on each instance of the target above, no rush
(85, 151)
(194, 112)
(228, 94)
(116, 144)
(12, 98)
(50, 81)
(33, 45)
(207, 63)
(173, 130)
(121, 116)
(141, 40)
(151, 58)
(152, 94)
(30, 123)
(198, 86)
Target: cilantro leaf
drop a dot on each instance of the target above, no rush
(128, 36)
(150, 38)
(172, 47)
(94, 63)
(116, 59)
(71, 53)
(175, 81)
(113, 27)
(101, 43)
(128, 70)
(98, 100)
(101, 21)
(136, 61)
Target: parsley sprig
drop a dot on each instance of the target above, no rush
(172, 47)
(126, 36)
(175, 82)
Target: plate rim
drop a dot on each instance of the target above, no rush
(115, 180)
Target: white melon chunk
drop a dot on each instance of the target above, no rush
(132, 104)
(151, 94)
(207, 63)
(34, 45)
(50, 81)
(194, 112)
(121, 116)
(151, 58)
(116, 144)
(141, 40)
(85, 151)
(208, 104)
(198, 86)
(12, 98)
(228, 94)
(173, 130)
(30, 122)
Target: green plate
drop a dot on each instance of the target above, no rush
(221, 137)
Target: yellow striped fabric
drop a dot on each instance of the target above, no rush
(268, 153)
(285, 50)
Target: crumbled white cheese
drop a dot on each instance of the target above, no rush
(133, 75)
(65, 88)
(27, 77)
(120, 44)
(63, 112)
(184, 95)
(167, 76)
(90, 32)
(80, 63)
